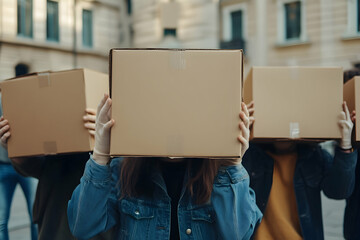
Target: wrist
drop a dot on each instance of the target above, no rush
(347, 150)
(101, 158)
(345, 144)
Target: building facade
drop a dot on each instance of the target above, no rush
(272, 32)
(197, 24)
(41, 35)
(297, 32)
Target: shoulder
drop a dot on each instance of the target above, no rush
(231, 174)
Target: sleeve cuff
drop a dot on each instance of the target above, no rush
(232, 174)
(348, 159)
(96, 172)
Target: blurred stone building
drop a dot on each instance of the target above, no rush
(295, 32)
(40, 35)
(272, 32)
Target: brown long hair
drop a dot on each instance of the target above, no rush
(135, 177)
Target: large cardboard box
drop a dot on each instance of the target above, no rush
(295, 102)
(182, 103)
(352, 98)
(45, 111)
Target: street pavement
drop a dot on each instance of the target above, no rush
(333, 212)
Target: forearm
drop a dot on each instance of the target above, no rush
(339, 180)
(92, 208)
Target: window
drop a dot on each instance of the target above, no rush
(292, 20)
(236, 20)
(233, 20)
(24, 18)
(87, 35)
(52, 21)
(129, 7)
(353, 20)
(358, 15)
(21, 69)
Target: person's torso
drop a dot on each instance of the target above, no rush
(59, 177)
(308, 175)
(149, 219)
(281, 220)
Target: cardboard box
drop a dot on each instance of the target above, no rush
(182, 103)
(45, 111)
(295, 102)
(169, 15)
(352, 98)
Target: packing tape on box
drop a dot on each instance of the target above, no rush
(50, 147)
(174, 145)
(294, 130)
(44, 80)
(178, 59)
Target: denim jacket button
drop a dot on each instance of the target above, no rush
(137, 212)
(188, 231)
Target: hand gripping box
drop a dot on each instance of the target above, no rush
(45, 111)
(176, 102)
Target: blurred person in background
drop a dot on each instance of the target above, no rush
(288, 177)
(352, 210)
(9, 179)
(58, 176)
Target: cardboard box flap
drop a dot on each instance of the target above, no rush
(96, 85)
(28, 74)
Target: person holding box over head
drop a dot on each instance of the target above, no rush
(162, 198)
(288, 172)
(34, 134)
(352, 209)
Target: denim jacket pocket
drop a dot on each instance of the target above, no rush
(136, 209)
(136, 218)
(205, 214)
(203, 222)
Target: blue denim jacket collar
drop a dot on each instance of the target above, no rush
(159, 181)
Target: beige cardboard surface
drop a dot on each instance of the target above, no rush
(96, 84)
(295, 102)
(45, 112)
(169, 15)
(176, 103)
(352, 98)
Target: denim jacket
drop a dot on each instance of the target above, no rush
(96, 206)
(316, 170)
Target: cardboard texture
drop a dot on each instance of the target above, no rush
(182, 103)
(45, 111)
(352, 98)
(169, 15)
(301, 103)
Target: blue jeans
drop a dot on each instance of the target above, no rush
(9, 178)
